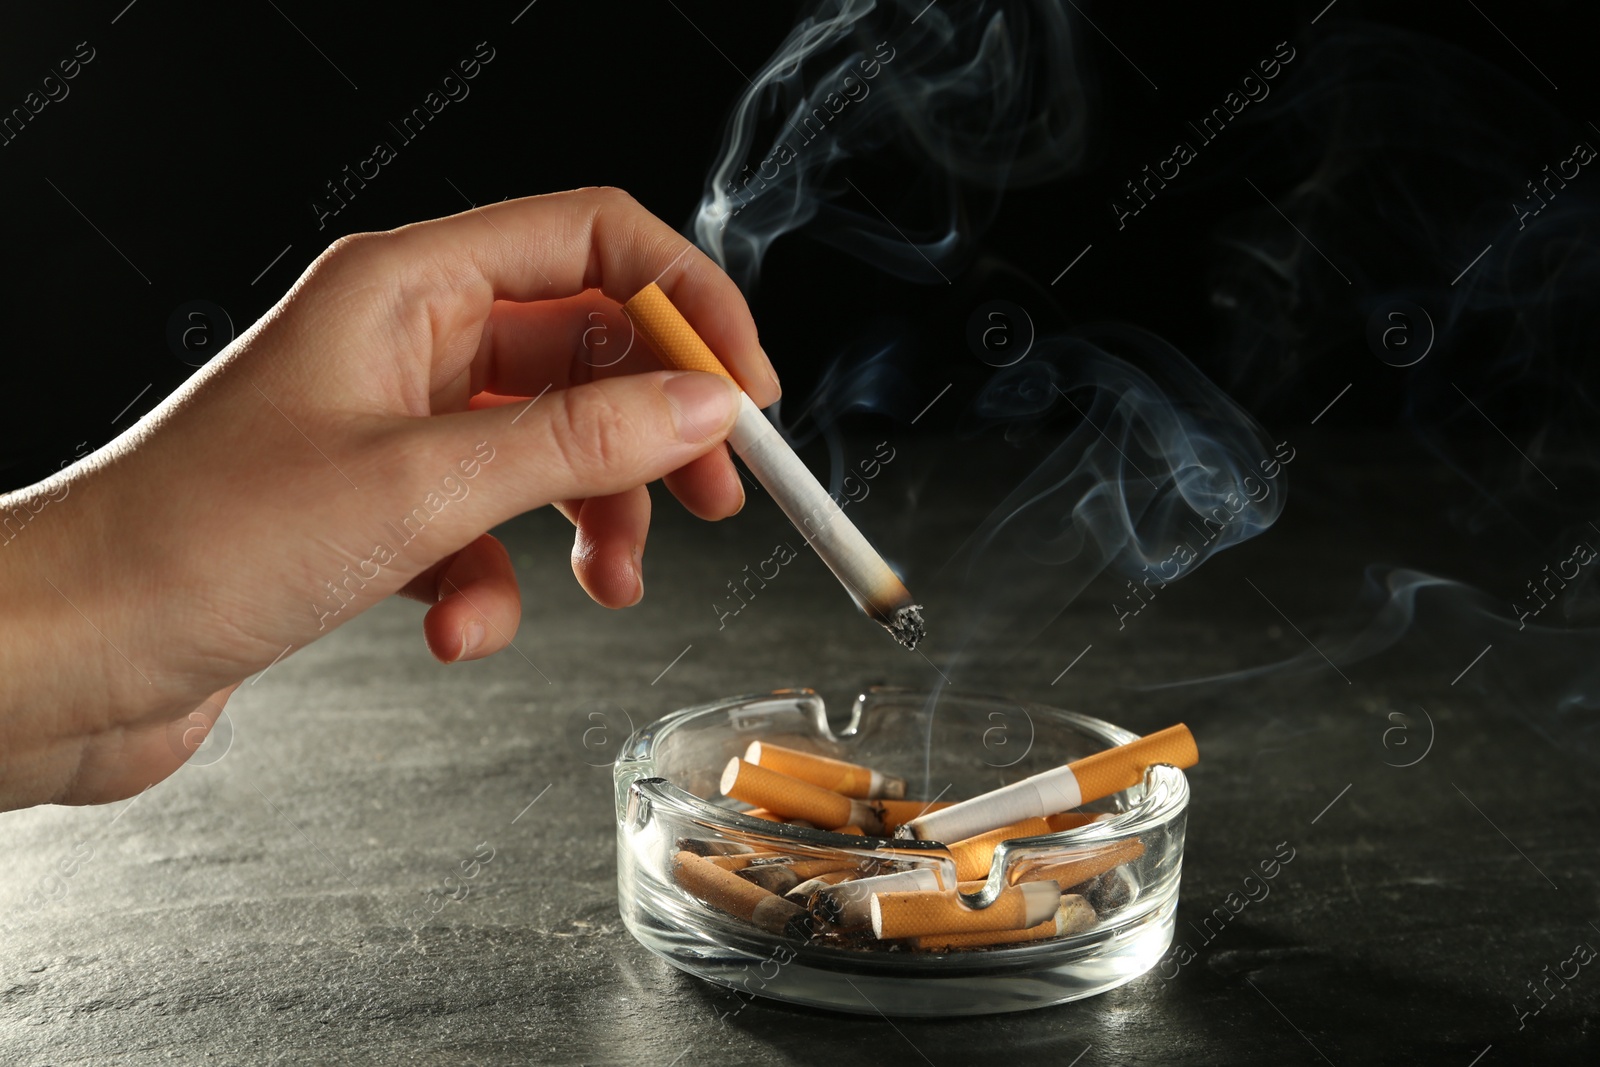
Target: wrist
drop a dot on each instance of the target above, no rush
(58, 686)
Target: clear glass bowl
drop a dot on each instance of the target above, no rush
(945, 745)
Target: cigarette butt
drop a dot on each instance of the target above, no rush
(897, 813)
(871, 583)
(955, 942)
(801, 894)
(1070, 820)
(743, 860)
(851, 779)
(897, 915)
(853, 831)
(1059, 789)
(850, 904)
(729, 893)
(974, 855)
(1073, 916)
(812, 868)
(705, 846)
(1072, 872)
(794, 799)
(776, 878)
(762, 813)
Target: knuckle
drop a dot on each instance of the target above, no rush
(353, 252)
(590, 433)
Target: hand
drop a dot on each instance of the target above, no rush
(357, 442)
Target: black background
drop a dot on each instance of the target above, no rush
(197, 139)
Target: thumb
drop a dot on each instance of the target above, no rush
(587, 440)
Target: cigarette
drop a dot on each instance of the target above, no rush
(815, 868)
(850, 904)
(974, 855)
(874, 587)
(729, 893)
(794, 799)
(919, 914)
(1073, 916)
(776, 878)
(705, 846)
(762, 813)
(1057, 790)
(850, 779)
(1072, 872)
(896, 813)
(801, 894)
(743, 860)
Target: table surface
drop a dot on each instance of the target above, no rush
(290, 896)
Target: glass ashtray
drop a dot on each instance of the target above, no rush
(946, 746)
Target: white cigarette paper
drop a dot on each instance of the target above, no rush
(870, 582)
(875, 588)
(1053, 791)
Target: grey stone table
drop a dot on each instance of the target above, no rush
(300, 893)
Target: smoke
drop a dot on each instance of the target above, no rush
(1541, 667)
(970, 98)
(1472, 205)
(1153, 471)
(1146, 465)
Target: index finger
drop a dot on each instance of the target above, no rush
(561, 244)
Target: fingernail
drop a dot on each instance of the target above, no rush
(772, 374)
(702, 404)
(471, 638)
(638, 576)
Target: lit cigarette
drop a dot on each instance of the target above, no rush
(875, 588)
(1073, 916)
(1057, 790)
(850, 904)
(794, 799)
(897, 813)
(850, 779)
(1071, 872)
(728, 892)
(919, 914)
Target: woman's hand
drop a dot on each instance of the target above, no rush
(357, 442)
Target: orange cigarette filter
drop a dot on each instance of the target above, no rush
(1073, 915)
(794, 799)
(951, 942)
(743, 860)
(897, 813)
(1071, 872)
(974, 855)
(919, 914)
(729, 893)
(1115, 769)
(669, 333)
(851, 779)
(813, 868)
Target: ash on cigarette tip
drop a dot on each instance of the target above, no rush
(906, 626)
